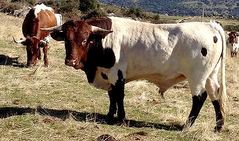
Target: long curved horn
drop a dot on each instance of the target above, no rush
(54, 28)
(20, 41)
(42, 41)
(98, 29)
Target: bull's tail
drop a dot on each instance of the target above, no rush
(222, 91)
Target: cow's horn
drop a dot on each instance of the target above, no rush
(42, 41)
(98, 29)
(20, 41)
(54, 28)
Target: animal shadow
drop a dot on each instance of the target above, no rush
(9, 61)
(6, 112)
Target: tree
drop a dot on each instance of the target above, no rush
(88, 5)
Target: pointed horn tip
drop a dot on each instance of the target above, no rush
(20, 41)
(42, 41)
(96, 29)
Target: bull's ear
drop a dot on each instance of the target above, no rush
(58, 35)
(100, 31)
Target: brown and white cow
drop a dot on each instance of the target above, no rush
(233, 43)
(113, 51)
(38, 17)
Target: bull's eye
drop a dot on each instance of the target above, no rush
(84, 42)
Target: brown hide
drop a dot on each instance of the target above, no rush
(80, 41)
(31, 25)
(104, 23)
(31, 31)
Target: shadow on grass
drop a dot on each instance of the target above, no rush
(9, 61)
(6, 112)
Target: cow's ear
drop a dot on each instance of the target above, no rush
(58, 35)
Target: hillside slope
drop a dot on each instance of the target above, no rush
(183, 7)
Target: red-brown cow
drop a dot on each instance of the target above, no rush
(38, 17)
(233, 43)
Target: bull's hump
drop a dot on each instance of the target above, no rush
(38, 8)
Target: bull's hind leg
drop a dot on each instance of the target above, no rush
(212, 88)
(198, 102)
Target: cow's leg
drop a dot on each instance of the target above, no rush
(119, 87)
(219, 116)
(212, 87)
(112, 107)
(117, 99)
(198, 102)
(39, 54)
(46, 63)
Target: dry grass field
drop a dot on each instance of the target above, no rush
(57, 103)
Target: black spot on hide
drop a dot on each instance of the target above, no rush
(204, 51)
(215, 39)
(107, 58)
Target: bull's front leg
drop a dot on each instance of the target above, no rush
(117, 99)
(39, 54)
(46, 63)
(112, 108)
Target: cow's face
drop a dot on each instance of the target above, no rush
(77, 44)
(78, 38)
(233, 37)
(33, 50)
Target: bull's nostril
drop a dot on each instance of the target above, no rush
(74, 62)
(71, 62)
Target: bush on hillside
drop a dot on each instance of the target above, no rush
(231, 28)
(88, 5)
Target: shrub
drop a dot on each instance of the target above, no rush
(95, 13)
(11, 7)
(231, 28)
(135, 12)
(88, 5)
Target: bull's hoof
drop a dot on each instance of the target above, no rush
(218, 128)
(121, 122)
(121, 117)
(46, 65)
(110, 119)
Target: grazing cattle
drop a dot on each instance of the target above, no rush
(113, 51)
(38, 17)
(233, 43)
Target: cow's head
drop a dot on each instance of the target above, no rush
(233, 37)
(79, 37)
(33, 45)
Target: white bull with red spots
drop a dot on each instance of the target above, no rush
(113, 51)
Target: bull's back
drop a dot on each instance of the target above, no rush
(31, 25)
(47, 19)
(165, 49)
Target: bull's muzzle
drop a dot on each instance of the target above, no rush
(74, 63)
(30, 64)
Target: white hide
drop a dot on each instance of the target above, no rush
(58, 19)
(40, 7)
(165, 54)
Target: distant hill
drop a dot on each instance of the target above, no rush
(223, 8)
